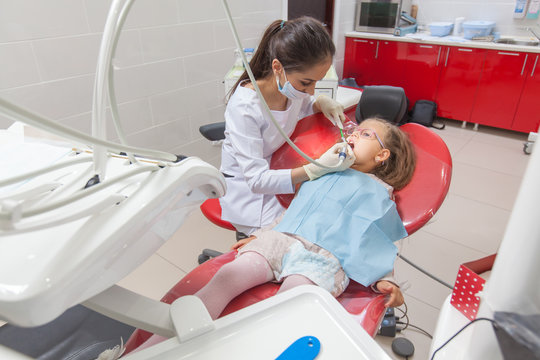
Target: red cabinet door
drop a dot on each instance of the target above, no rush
(527, 118)
(422, 71)
(500, 88)
(359, 60)
(390, 58)
(460, 74)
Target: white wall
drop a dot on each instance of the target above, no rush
(500, 11)
(171, 60)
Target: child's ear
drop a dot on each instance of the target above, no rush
(383, 155)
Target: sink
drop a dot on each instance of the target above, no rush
(514, 41)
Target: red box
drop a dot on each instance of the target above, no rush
(468, 284)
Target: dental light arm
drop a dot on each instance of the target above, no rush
(261, 97)
(112, 94)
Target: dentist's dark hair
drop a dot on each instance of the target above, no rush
(298, 44)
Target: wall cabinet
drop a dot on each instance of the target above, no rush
(490, 87)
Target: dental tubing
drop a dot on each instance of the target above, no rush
(265, 105)
(17, 113)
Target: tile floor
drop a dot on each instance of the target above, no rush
(488, 165)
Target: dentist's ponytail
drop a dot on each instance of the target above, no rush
(298, 45)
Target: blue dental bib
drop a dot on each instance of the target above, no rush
(351, 215)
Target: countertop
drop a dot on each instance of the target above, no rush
(425, 38)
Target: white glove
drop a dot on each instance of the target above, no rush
(331, 159)
(332, 109)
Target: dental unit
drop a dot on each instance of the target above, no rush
(72, 229)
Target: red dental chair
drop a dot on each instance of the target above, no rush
(416, 204)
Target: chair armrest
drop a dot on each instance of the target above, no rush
(214, 131)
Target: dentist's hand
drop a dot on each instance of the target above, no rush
(332, 109)
(331, 159)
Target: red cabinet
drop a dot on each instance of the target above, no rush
(374, 62)
(458, 81)
(422, 71)
(359, 60)
(500, 88)
(390, 64)
(527, 118)
(489, 87)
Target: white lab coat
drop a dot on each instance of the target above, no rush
(250, 140)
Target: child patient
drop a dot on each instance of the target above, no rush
(339, 227)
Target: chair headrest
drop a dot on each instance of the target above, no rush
(387, 102)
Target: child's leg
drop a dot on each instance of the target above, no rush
(293, 281)
(248, 270)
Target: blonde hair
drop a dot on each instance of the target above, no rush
(398, 169)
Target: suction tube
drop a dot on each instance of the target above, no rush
(261, 98)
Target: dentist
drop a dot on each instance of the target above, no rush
(292, 56)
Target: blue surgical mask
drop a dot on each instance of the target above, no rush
(289, 91)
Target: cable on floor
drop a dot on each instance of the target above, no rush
(425, 272)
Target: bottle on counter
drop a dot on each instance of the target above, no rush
(414, 9)
(521, 9)
(534, 9)
(458, 26)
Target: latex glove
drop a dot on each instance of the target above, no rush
(332, 109)
(331, 159)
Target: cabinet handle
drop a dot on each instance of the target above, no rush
(426, 46)
(377, 50)
(524, 62)
(534, 66)
(438, 56)
(446, 60)
(507, 53)
(359, 40)
(467, 50)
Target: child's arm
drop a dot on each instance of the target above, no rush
(395, 297)
(242, 242)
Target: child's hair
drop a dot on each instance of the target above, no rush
(298, 44)
(398, 169)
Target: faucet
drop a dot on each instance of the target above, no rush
(533, 31)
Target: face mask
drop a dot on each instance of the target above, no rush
(289, 91)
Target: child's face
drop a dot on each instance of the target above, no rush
(367, 145)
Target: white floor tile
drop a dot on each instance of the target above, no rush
(499, 158)
(153, 278)
(469, 223)
(197, 233)
(484, 185)
(436, 255)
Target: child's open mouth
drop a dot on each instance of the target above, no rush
(351, 145)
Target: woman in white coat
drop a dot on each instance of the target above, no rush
(292, 56)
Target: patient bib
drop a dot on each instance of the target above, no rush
(351, 215)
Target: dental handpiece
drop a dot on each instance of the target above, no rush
(343, 151)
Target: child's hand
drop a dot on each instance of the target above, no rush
(395, 297)
(242, 242)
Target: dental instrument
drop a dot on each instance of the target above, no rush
(343, 152)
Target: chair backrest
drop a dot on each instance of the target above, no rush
(417, 202)
(387, 102)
